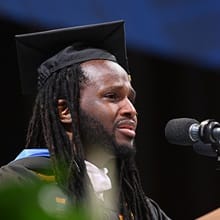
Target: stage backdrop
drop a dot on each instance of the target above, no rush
(189, 29)
(174, 54)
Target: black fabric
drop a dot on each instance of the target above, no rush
(25, 171)
(156, 212)
(35, 48)
(70, 55)
(37, 164)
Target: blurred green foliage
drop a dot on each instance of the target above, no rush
(36, 202)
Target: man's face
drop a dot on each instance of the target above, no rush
(108, 117)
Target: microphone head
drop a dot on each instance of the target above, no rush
(177, 131)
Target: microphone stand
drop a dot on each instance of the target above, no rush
(216, 147)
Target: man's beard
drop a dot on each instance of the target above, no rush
(94, 134)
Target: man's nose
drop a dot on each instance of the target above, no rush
(128, 109)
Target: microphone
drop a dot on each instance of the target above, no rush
(177, 131)
(204, 136)
(187, 131)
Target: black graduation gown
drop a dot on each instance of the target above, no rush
(37, 169)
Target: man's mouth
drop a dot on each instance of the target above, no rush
(127, 128)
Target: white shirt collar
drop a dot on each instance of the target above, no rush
(99, 179)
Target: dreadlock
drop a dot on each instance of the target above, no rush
(45, 129)
(134, 204)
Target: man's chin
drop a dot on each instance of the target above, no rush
(125, 151)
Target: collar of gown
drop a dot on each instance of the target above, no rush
(98, 177)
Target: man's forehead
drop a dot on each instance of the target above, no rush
(104, 70)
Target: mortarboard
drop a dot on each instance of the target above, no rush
(35, 48)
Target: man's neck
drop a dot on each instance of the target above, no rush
(98, 156)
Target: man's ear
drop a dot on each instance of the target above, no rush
(63, 111)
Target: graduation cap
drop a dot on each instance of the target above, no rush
(33, 49)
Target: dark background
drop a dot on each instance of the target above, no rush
(185, 184)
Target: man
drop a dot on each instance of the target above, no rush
(82, 129)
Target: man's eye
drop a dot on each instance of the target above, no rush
(111, 96)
